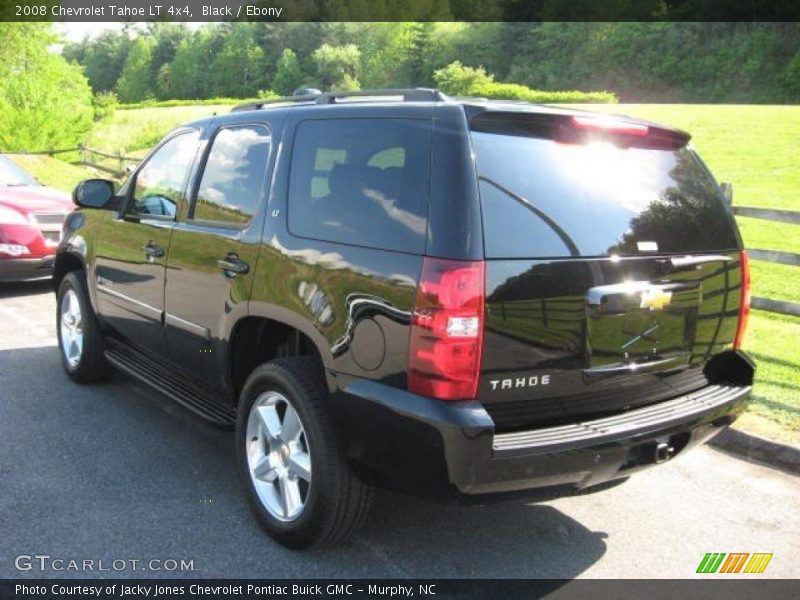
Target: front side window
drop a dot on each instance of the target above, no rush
(231, 188)
(159, 183)
(362, 182)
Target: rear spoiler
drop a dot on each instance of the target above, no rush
(578, 128)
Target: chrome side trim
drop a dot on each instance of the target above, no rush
(633, 422)
(149, 308)
(185, 325)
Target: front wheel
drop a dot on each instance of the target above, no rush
(298, 482)
(79, 337)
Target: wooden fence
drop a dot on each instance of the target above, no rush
(88, 158)
(773, 256)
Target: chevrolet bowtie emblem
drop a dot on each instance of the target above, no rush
(655, 299)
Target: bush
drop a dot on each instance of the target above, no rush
(337, 66)
(458, 80)
(346, 84)
(104, 104)
(45, 102)
(515, 91)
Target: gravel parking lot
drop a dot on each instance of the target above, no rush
(115, 471)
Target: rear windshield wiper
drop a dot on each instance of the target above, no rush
(563, 235)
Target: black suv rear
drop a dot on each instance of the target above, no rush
(453, 298)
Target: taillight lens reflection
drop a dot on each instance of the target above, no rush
(447, 330)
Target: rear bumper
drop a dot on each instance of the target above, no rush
(426, 447)
(26, 269)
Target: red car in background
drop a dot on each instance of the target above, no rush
(31, 216)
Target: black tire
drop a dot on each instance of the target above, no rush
(336, 501)
(92, 365)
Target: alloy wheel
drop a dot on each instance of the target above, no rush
(71, 324)
(278, 456)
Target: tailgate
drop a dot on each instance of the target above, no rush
(612, 268)
(576, 339)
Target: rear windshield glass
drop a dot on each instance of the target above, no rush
(545, 198)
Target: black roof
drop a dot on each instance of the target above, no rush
(421, 96)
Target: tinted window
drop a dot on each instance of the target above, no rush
(233, 179)
(159, 183)
(362, 182)
(542, 198)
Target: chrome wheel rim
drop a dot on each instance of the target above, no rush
(71, 324)
(278, 456)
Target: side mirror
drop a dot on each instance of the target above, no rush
(94, 193)
(727, 191)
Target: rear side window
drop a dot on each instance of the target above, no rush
(546, 198)
(361, 182)
(230, 189)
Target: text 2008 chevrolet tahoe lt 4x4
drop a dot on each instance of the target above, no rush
(454, 298)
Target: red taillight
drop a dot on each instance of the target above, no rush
(744, 304)
(444, 359)
(610, 126)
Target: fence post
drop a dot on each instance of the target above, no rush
(52, 152)
(121, 162)
(84, 154)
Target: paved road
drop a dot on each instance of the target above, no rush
(114, 471)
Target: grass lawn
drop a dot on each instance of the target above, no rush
(772, 341)
(52, 171)
(140, 129)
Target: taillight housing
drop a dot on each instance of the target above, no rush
(446, 339)
(744, 304)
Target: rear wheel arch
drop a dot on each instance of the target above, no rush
(256, 339)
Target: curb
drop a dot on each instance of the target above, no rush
(754, 447)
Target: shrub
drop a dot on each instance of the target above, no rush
(45, 102)
(337, 66)
(515, 91)
(346, 84)
(104, 104)
(458, 80)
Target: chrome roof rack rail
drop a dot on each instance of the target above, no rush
(405, 94)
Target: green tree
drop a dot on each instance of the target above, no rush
(190, 70)
(289, 74)
(337, 66)
(44, 100)
(102, 58)
(239, 68)
(136, 82)
(167, 38)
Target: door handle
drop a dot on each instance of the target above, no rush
(153, 250)
(233, 265)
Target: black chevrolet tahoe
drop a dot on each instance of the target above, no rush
(455, 298)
